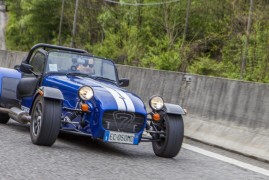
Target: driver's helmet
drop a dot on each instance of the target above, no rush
(86, 65)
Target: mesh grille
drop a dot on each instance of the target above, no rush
(123, 121)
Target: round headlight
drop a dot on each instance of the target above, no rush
(156, 103)
(85, 93)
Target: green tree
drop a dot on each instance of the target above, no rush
(210, 41)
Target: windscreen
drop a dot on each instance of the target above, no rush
(66, 62)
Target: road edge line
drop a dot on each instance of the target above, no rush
(226, 159)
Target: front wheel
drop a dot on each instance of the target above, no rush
(45, 121)
(169, 143)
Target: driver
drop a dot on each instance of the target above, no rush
(87, 67)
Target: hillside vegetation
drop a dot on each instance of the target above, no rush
(224, 38)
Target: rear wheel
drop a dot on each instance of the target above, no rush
(45, 121)
(4, 118)
(169, 143)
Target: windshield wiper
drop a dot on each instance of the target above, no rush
(77, 74)
(103, 78)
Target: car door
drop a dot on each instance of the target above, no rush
(29, 82)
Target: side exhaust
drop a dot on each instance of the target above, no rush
(19, 115)
(4, 110)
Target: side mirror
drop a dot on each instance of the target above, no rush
(26, 68)
(124, 82)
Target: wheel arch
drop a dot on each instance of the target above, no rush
(47, 92)
(173, 109)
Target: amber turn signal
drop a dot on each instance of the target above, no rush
(84, 107)
(156, 117)
(41, 93)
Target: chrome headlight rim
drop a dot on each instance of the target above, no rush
(87, 94)
(156, 99)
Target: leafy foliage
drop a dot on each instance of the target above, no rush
(211, 42)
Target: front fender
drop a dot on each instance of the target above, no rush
(48, 92)
(173, 109)
(52, 93)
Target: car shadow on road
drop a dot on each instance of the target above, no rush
(97, 146)
(18, 127)
(89, 144)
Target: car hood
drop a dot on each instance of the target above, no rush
(108, 96)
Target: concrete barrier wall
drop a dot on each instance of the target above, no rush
(242, 103)
(226, 113)
(11, 58)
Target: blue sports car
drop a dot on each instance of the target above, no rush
(58, 88)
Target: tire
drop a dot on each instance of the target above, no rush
(170, 145)
(4, 118)
(45, 121)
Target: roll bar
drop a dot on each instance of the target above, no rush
(42, 45)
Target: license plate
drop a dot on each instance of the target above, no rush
(119, 137)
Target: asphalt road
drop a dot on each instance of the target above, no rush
(77, 157)
(3, 19)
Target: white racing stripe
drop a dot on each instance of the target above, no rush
(119, 101)
(124, 103)
(128, 101)
(226, 159)
(122, 99)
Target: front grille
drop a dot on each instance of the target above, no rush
(123, 121)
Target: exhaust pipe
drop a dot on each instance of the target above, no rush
(19, 115)
(4, 110)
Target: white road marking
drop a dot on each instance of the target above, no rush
(226, 159)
